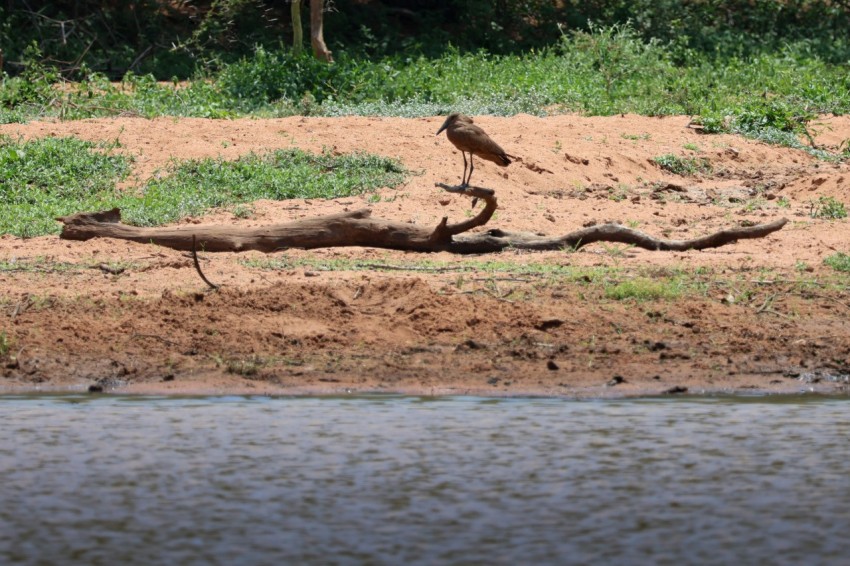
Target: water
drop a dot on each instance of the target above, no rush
(397, 480)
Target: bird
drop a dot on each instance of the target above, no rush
(471, 139)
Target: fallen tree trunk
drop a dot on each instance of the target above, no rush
(358, 228)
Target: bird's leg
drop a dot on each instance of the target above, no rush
(474, 200)
(463, 182)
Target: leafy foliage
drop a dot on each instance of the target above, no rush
(839, 262)
(829, 208)
(34, 86)
(594, 69)
(602, 71)
(169, 38)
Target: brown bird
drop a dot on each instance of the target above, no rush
(469, 138)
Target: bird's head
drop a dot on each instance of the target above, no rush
(451, 119)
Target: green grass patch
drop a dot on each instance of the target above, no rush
(684, 166)
(839, 262)
(50, 177)
(192, 187)
(644, 289)
(611, 282)
(829, 208)
(492, 267)
(45, 178)
(39, 265)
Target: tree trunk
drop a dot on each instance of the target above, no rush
(297, 31)
(317, 36)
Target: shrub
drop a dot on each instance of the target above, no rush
(839, 262)
(684, 166)
(829, 208)
(643, 289)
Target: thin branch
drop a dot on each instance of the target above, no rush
(487, 195)
(213, 286)
(139, 59)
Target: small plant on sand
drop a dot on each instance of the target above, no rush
(684, 166)
(839, 262)
(754, 204)
(616, 251)
(243, 211)
(643, 289)
(619, 193)
(247, 367)
(827, 207)
(636, 137)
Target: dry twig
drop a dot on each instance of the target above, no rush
(213, 286)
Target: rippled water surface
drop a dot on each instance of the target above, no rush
(396, 480)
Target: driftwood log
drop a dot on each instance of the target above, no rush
(358, 228)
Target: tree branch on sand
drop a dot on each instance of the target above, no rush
(359, 228)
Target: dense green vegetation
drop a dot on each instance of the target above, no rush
(604, 71)
(50, 177)
(765, 69)
(175, 38)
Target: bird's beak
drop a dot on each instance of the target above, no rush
(443, 127)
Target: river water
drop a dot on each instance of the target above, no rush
(406, 480)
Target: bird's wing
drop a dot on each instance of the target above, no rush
(484, 146)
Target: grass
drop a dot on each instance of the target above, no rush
(38, 265)
(523, 280)
(50, 177)
(839, 262)
(644, 289)
(45, 178)
(192, 187)
(828, 208)
(684, 166)
(613, 282)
